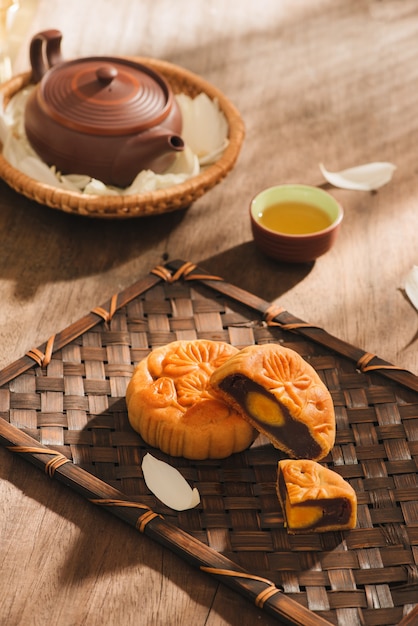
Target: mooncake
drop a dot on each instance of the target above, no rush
(174, 408)
(282, 396)
(314, 498)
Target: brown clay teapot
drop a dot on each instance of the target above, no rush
(106, 117)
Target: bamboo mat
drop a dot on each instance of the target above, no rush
(63, 409)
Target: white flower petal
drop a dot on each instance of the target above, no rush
(205, 127)
(75, 182)
(35, 168)
(4, 129)
(367, 177)
(211, 157)
(168, 485)
(98, 188)
(186, 162)
(411, 286)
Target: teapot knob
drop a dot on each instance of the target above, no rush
(106, 73)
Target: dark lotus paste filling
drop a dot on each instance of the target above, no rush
(293, 434)
(335, 512)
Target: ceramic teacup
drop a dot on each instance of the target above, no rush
(295, 223)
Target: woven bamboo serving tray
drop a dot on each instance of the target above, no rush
(148, 203)
(63, 409)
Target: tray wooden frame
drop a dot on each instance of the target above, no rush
(366, 576)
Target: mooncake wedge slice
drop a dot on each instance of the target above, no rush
(282, 396)
(314, 498)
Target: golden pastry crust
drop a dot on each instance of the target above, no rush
(314, 498)
(282, 396)
(173, 407)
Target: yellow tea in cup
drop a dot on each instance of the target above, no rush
(294, 218)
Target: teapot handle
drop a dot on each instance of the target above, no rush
(44, 52)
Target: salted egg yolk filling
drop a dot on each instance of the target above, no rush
(264, 409)
(302, 516)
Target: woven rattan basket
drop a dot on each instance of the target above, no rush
(136, 205)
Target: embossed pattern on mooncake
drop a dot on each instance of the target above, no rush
(314, 498)
(282, 396)
(173, 407)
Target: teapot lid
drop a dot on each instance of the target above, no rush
(105, 95)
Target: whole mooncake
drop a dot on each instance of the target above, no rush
(282, 396)
(173, 407)
(314, 498)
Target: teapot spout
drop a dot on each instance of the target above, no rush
(154, 149)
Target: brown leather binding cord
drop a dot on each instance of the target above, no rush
(185, 271)
(262, 597)
(107, 315)
(142, 520)
(265, 595)
(273, 311)
(363, 364)
(42, 358)
(52, 465)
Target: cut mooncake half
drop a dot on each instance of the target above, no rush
(173, 407)
(282, 396)
(314, 498)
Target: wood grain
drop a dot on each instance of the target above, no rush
(330, 81)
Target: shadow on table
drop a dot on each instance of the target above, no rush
(246, 267)
(41, 245)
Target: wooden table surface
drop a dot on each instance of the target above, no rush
(331, 81)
